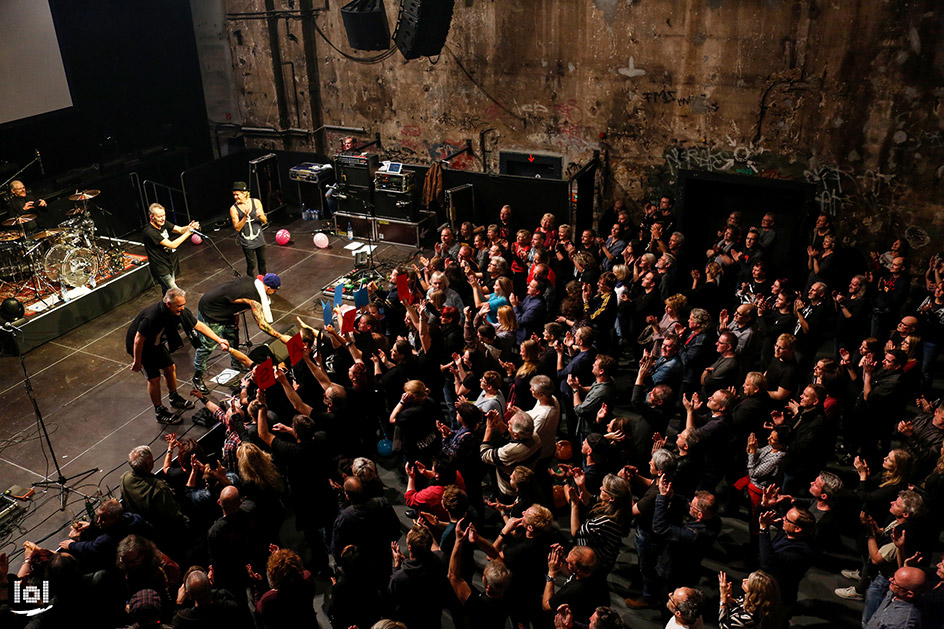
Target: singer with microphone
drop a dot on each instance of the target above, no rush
(248, 220)
(161, 250)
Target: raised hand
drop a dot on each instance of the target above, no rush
(752, 444)
(724, 588)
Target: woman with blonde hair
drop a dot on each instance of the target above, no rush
(520, 389)
(676, 309)
(756, 608)
(506, 331)
(263, 485)
(549, 229)
(876, 492)
(256, 468)
(415, 417)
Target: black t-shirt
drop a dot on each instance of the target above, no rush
(784, 374)
(154, 322)
(417, 423)
(217, 305)
(483, 612)
(162, 259)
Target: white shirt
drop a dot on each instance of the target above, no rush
(546, 419)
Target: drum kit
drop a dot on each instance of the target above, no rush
(67, 254)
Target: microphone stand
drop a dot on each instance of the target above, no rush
(236, 273)
(62, 482)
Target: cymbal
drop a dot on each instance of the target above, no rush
(9, 236)
(46, 233)
(84, 195)
(19, 220)
(75, 210)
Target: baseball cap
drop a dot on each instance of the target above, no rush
(272, 280)
(240, 186)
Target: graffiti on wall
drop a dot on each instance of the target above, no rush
(699, 103)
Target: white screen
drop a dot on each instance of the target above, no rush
(32, 77)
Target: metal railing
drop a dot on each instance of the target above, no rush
(154, 192)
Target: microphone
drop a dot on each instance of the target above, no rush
(9, 327)
(40, 158)
(193, 231)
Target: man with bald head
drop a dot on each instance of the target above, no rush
(368, 523)
(899, 608)
(686, 605)
(234, 541)
(212, 607)
(891, 292)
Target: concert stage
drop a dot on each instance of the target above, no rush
(49, 316)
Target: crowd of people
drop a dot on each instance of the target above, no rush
(550, 401)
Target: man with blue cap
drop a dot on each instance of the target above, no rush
(219, 309)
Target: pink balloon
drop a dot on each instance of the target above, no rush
(321, 240)
(195, 239)
(282, 236)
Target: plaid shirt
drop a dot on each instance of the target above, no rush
(231, 441)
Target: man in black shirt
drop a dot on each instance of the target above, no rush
(219, 309)
(151, 338)
(161, 250)
(23, 203)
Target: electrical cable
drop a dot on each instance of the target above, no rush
(478, 85)
(365, 60)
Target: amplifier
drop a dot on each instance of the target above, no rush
(310, 171)
(356, 170)
(399, 205)
(354, 200)
(399, 182)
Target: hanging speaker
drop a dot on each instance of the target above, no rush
(366, 24)
(422, 27)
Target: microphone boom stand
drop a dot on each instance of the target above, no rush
(236, 273)
(62, 482)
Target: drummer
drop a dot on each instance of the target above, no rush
(23, 203)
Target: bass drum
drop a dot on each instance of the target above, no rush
(74, 266)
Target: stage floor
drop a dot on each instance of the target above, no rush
(96, 409)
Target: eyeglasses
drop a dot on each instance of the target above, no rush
(898, 585)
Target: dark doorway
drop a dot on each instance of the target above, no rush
(706, 199)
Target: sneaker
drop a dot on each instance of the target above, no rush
(178, 402)
(638, 603)
(851, 574)
(165, 417)
(199, 385)
(849, 593)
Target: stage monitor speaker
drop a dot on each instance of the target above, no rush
(366, 24)
(422, 27)
(398, 205)
(355, 201)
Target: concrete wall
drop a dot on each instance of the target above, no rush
(846, 95)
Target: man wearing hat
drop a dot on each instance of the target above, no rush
(219, 309)
(248, 220)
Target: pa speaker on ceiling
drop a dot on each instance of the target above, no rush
(422, 27)
(366, 24)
